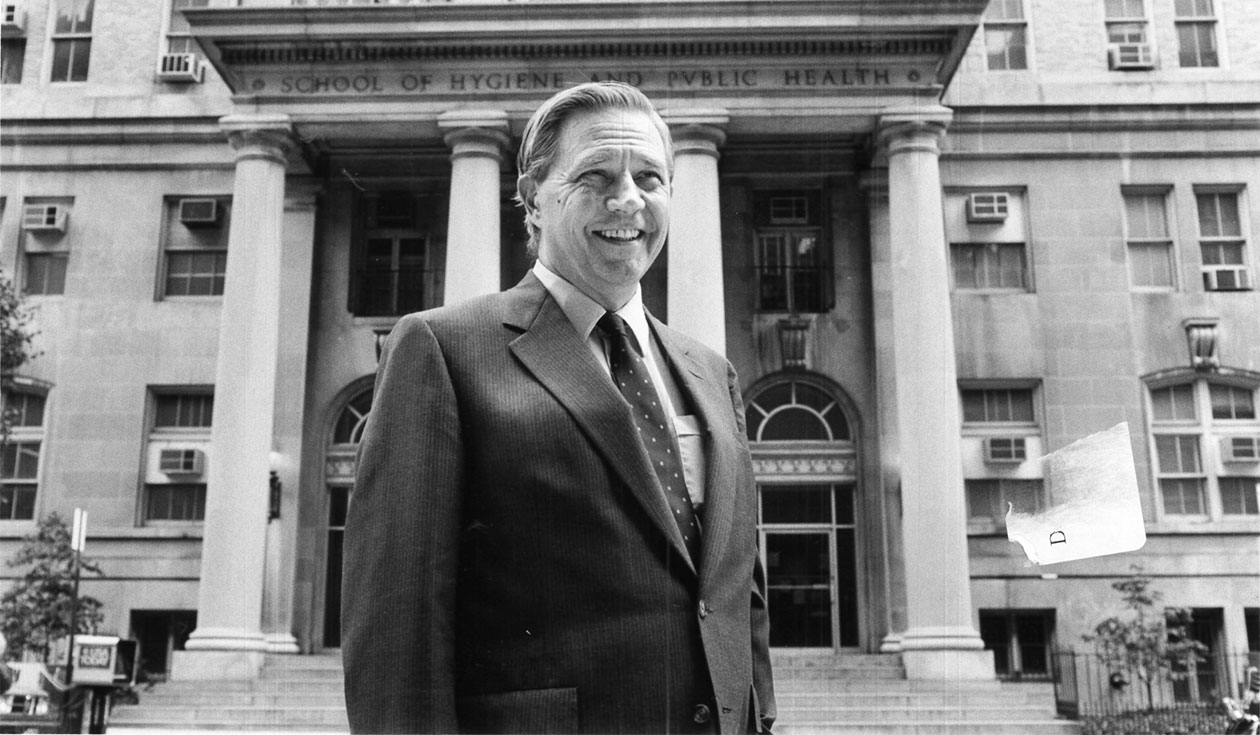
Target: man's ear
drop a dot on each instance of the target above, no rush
(527, 190)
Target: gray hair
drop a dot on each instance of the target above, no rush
(540, 142)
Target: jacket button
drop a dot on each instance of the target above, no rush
(704, 609)
(702, 714)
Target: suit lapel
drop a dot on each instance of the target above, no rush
(712, 402)
(557, 357)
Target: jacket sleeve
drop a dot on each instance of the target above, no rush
(401, 544)
(759, 615)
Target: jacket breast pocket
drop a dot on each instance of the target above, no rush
(526, 711)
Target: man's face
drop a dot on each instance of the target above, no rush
(603, 210)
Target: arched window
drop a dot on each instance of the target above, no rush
(349, 426)
(795, 410)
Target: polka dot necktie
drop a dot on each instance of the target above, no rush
(635, 383)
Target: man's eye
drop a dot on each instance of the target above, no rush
(595, 177)
(650, 180)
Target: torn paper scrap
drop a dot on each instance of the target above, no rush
(1092, 507)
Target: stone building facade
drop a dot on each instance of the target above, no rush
(936, 239)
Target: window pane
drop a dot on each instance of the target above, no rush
(180, 502)
(984, 500)
(1222, 253)
(23, 409)
(1002, 404)
(1238, 495)
(794, 424)
(1196, 44)
(1194, 8)
(1179, 453)
(12, 55)
(1150, 265)
(1005, 10)
(1124, 9)
(17, 502)
(1175, 403)
(1182, 496)
(796, 504)
(1218, 215)
(1145, 215)
(1126, 32)
(1230, 402)
(1006, 47)
(183, 411)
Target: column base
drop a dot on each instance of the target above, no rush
(949, 665)
(282, 643)
(216, 665)
(891, 643)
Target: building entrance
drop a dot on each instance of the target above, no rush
(805, 460)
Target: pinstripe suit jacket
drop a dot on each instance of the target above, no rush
(510, 563)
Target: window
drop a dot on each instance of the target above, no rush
(183, 411)
(1148, 241)
(1126, 21)
(1196, 33)
(72, 40)
(19, 455)
(45, 273)
(1251, 618)
(399, 261)
(195, 262)
(795, 410)
(1006, 35)
(178, 39)
(1202, 680)
(12, 56)
(988, 265)
(1195, 426)
(988, 500)
(987, 236)
(45, 244)
(793, 260)
(176, 502)
(1021, 642)
(179, 440)
(1221, 241)
(988, 405)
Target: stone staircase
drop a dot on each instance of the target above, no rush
(292, 694)
(869, 694)
(817, 694)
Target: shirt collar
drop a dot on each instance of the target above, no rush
(584, 312)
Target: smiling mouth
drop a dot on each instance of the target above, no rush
(620, 235)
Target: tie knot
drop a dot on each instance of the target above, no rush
(617, 330)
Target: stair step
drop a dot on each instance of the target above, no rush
(847, 727)
(927, 713)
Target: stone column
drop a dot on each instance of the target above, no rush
(229, 640)
(875, 183)
(296, 279)
(478, 140)
(940, 641)
(696, 297)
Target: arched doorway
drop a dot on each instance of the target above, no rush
(347, 430)
(805, 460)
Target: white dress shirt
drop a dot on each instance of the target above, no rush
(584, 313)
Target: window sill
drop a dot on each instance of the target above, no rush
(166, 530)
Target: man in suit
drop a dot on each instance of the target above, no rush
(553, 526)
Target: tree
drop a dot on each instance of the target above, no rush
(35, 612)
(16, 339)
(1150, 642)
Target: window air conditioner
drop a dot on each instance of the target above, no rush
(1130, 56)
(1005, 450)
(181, 461)
(14, 20)
(199, 212)
(990, 206)
(44, 218)
(1226, 278)
(181, 68)
(1245, 449)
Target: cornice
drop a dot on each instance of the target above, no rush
(308, 51)
(1106, 118)
(112, 131)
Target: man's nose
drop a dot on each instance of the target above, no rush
(624, 195)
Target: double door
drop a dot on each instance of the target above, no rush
(809, 550)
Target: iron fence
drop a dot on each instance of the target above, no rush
(1188, 700)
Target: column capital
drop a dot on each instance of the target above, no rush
(697, 131)
(267, 136)
(902, 129)
(475, 133)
